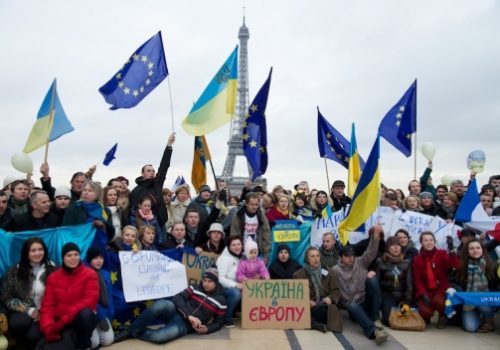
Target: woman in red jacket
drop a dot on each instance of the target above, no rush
(430, 268)
(70, 300)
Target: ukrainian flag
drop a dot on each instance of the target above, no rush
(366, 197)
(215, 107)
(201, 155)
(355, 165)
(51, 122)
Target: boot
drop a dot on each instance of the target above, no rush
(442, 322)
(319, 326)
(487, 326)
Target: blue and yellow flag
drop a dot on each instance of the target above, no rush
(356, 165)
(401, 121)
(215, 107)
(142, 72)
(255, 131)
(201, 155)
(51, 122)
(366, 197)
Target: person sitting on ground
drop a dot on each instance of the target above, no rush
(351, 274)
(252, 267)
(329, 251)
(407, 245)
(197, 309)
(127, 241)
(147, 235)
(284, 266)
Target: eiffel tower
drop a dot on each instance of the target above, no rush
(235, 143)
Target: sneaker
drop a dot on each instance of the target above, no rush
(442, 322)
(229, 324)
(121, 335)
(380, 336)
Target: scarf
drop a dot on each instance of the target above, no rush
(147, 217)
(94, 210)
(476, 276)
(315, 274)
(429, 267)
(285, 212)
(103, 291)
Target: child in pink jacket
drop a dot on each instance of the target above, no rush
(252, 267)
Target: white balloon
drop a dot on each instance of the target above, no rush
(428, 150)
(476, 160)
(447, 180)
(22, 162)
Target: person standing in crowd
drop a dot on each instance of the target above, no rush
(143, 215)
(281, 211)
(324, 293)
(441, 190)
(427, 203)
(202, 203)
(430, 268)
(62, 200)
(302, 210)
(127, 241)
(250, 223)
(19, 197)
(215, 243)
(477, 273)
(150, 184)
(103, 334)
(69, 304)
(197, 309)
(147, 235)
(351, 274)
(329, 251)
(77, 181)
(448, 207)
(23, 289)
(414, 188)
(407, 245)
(457, 187)
(119, 216)
(180, 204)
(412, 203)
(6, 213)
(393, 271)
(90, 210)
(37, 218)
(426, 180)
(227, 264)
(177, 238)
(319, 203)
(340, 200)
(284, 266)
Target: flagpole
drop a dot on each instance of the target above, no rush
(415, 157)
(213, 173)
(171, 104)
(51, 120)
(327, 176)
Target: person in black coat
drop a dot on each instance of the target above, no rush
(38, 218)
(284, 266)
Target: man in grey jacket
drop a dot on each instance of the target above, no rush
(352, 273)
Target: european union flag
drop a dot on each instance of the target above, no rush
(143, 71)
(401, 121)
(331, 143)
(110, 155)
(255, 131)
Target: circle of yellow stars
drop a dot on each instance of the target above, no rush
(127, 90)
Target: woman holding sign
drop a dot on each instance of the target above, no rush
(227, 264)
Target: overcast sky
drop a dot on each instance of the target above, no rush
(353, 59)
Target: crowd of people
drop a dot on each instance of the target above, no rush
(71, 306)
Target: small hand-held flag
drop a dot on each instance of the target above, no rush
(110, 155)
(255, 131)
(143, 71)
(215, 107)
(401, 121)
(51, 122)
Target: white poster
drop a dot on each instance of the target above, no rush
(320, 226)
(148, 275)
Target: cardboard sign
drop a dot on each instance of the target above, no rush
(148, 275)
(276, 304)
(197, 264)
(286, 231)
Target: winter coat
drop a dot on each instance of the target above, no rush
(203, 207)
(264, 239)
(206, 306)
(329, 285)
(247, 269)
(352, 279)
(152, 188)
(329, 258)
(280, 270)
(227, 265)
(401, 286)
(26, 222)
(76, 215)
(66, 294)
(106, 311)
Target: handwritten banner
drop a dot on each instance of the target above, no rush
(197, 264)
(286, 231)
(148, 275)
(276, 304)
(321, 226)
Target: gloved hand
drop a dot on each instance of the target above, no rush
(451, 291)
(103, 325)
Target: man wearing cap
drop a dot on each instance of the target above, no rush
(340, 200)
(150, 184)
(38, 218)
(351, 273)
(427, 203)
(202, 203)
(190, 312)
(215, 243)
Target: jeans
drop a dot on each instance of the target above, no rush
(233, 297)
(367, 312)
(165, 310)
(471, 319)
(388, 302)
(84, 324)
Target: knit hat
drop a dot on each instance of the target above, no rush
(338, 183)
(205, 188)
(94, 252)
(346, 250)
(391, 241)
(258, 189)
(62, 191)
(212, 274)
(283, 246)
(69, 247)
(216, 227)
(249, 246)
(425, 194)
(9, 179)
